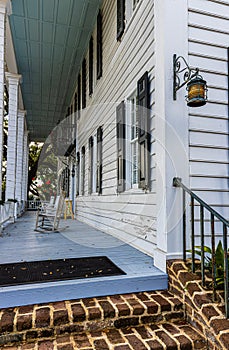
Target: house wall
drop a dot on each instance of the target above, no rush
(208, 41)
(186, 142)
(131, 215)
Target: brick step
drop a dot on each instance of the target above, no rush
(29, 323)
(166, 335)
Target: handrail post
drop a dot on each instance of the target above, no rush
(202, 243)
(225, 270)
(184, 226)
(193, 235)
(213, 256)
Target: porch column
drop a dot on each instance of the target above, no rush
(171, 127)
(20, 153)
(3, 10)
(25, 167)
(13, 80)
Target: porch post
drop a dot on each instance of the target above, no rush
(171, 127)
(20, 154)
(3, 9)
(25, 167)
(13, 80)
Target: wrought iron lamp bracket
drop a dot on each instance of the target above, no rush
(182, 73)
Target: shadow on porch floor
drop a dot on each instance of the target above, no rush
(21, 243)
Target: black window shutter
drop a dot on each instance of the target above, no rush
(121, 135)
(82, 170)
(90, 165)
(77, 172)
(91, 66)
(99, 46)
(75, 103)
(84, 83)
(79, 95)
(99, 160)
(143, 130)
(120, 18)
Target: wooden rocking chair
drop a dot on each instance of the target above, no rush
(48, 219)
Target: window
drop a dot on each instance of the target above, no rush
(82, 170)
(120, 18)
(91, 66)
(79, 95)
(84, 84)
(133, 139)
(99, 160)
(90, 164)
(99, 46)
(121, 135)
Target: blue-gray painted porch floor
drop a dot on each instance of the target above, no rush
(20, 242)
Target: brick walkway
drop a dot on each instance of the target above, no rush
(149, 320)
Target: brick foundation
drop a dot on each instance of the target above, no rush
(200, 310)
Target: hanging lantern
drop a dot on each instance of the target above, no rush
(183, 75)
(197, 92)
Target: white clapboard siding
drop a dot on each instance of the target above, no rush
(211, 183)
(208, 125)
(130, 215)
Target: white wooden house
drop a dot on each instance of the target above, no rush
(125, 187)
(126, 157)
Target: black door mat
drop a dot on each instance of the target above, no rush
(57, 270)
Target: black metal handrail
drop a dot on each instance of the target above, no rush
(214, 214)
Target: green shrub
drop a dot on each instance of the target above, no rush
(219, 261)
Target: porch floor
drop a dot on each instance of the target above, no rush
(20, 242)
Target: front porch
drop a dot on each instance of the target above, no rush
(19, 242)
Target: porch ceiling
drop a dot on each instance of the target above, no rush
(50, 39)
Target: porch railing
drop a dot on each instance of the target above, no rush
(6, 213)
(203, 206)
(33, 204)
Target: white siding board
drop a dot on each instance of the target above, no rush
(214, 65)
(212, 169)
(204, 49)
(205, 34)
(209, 139)
(208, 20)
(209, 124)
(214, 109)
(217, 155)
(211, 7)
(213, 183)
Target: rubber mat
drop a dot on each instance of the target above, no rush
(57, 270)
